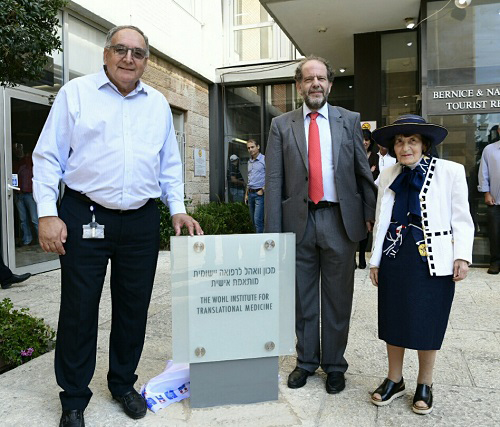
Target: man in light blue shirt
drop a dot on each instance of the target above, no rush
(255, 189)
(110, 138)
(489, 184)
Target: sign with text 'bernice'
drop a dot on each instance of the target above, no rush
(464, 99)
(233, 296)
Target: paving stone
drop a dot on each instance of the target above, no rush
(466, 377)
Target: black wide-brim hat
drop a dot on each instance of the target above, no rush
(409, 124)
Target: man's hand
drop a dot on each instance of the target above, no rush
(369, 226)
(460, 270)
(181, 219)
(489, 199)
(52, 234)
(374, 275)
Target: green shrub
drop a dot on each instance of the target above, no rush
(214, 218)
(224, 218)
(22, 336)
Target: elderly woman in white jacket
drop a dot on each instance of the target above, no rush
(422, 245)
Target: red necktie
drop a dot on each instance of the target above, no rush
(315, 171)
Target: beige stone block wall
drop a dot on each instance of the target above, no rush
(190, 95)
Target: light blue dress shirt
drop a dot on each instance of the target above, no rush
(325, 140)
(119, 151)
(489, 171)
(257, 172)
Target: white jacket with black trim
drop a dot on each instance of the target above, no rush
(446, 220)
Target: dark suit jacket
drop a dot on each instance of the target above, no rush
(286, 195)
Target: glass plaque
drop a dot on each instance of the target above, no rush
(233, 296)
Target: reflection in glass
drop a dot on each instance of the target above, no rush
(253, 43)
(400, 91)
(468, 135)
(243, 117)
(249, 13)
(280, 98)
(27, 120)
(52, 78)
(85, 48)
(463, 45)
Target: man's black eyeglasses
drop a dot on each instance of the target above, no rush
(121, 51)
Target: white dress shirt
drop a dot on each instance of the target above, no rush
(325, 138)
(383, 163)
(119, 151)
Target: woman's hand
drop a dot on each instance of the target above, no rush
(374, 275)
(460, 270)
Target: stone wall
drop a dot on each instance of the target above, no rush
(190, 95)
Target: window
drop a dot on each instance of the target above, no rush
(180, 135)
(85, 48)
(253, 35)
(463, 45)
(248, 114)
(52, 78)
(400, 90)
(193, 7)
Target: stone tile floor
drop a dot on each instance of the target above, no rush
(466, 386)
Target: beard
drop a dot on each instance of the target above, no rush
(315, 103)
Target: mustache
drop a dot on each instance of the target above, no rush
(317, 90)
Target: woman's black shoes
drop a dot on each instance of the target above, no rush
(423, 393)
(388, 391)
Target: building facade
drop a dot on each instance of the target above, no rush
(182, 71)
(226, 68)
(447, 68)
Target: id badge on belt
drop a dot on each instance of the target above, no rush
(93, 230)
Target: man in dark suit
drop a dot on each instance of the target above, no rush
(319, 186)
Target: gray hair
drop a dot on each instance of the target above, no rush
(329, 71)
(114, 30)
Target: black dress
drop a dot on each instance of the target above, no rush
(413, 306)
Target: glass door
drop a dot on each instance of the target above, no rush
(25, 112)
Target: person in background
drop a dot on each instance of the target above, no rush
(255, 189)
(235, 181)
(384, 161)
(422, 246)
(373, 160)
(489, 184)
(25, 203)
(7, 278)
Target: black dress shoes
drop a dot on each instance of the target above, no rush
(72, 418)
(7, 283)
(335, 382)
(133, 404)
(494, 269)
(298, 377)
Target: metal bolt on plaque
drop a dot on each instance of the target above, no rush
(198, 247)
(269, 346)
(199, 351)
(269, 245)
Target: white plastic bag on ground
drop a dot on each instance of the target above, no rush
(172, 385)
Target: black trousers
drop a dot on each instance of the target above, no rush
(131, 244)
(5, 272)
(494, 233)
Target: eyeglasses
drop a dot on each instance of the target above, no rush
(121, 51)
